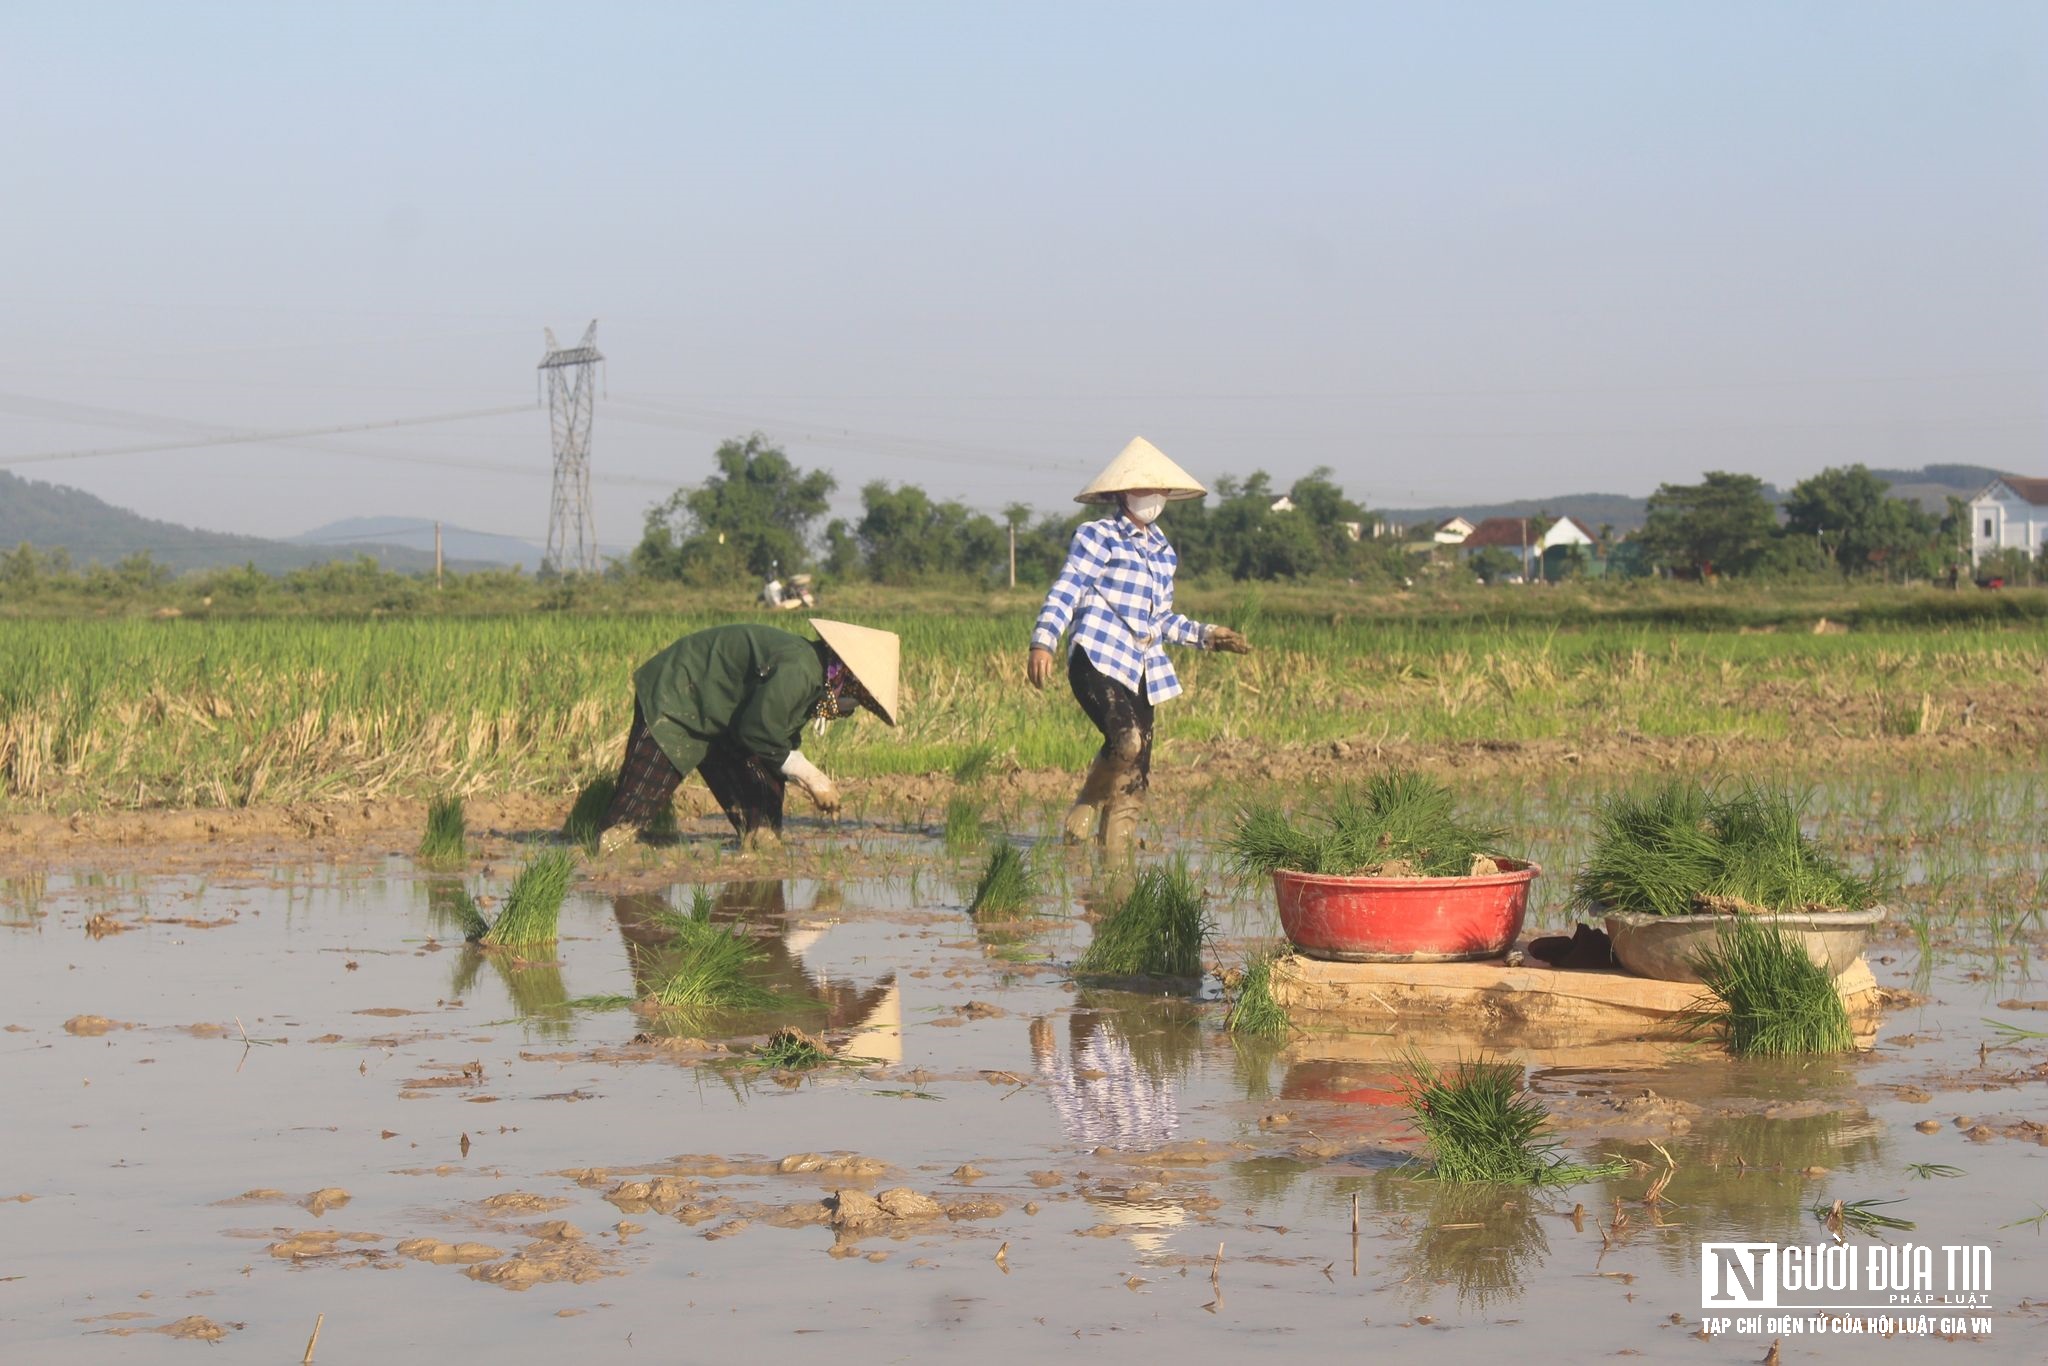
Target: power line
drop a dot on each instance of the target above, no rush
(258, 438)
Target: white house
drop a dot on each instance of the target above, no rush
(1454, 531)
(2010, 514)
(1564, 531)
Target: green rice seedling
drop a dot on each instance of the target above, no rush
(533, 908)
(973, 765)
(1005, 885)
(1157, 930)
(1685, 847)
(445, 843)
(1481, 1126)
(1254, 1012)
(592, 800)
(1772, 999)
(964, 827)
(701, 905)
(1864, 1216)
(705, 968)
(792, 1050)
(1928, 1170)
(1400, 822)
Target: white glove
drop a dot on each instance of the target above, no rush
(812, 779)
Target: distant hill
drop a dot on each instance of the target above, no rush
(417, 534)
(49, 516)
(1929, 486)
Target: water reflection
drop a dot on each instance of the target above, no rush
(1484, 1242)
(535, 987)
(817, 998)
(1104, 1092)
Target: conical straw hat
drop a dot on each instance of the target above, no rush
(1142, 465)
(872, 655)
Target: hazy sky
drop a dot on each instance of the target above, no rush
(1458, 251)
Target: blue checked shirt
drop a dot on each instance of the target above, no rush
(1117, 591)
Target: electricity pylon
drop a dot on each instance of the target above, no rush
(572, 399)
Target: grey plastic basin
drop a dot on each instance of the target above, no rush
(1663, 946)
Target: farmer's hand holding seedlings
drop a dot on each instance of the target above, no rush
(1115, 593)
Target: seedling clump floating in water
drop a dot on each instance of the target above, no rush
(1481, 1126)
(704, 967)
(1399, 824)
(1157, 930)
(533, 908)
(1005, 884)
(1254, 1012)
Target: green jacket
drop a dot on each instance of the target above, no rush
(753, 686)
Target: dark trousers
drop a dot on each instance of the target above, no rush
(1124, 717)
(750, 790)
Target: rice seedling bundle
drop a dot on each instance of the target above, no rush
(1482, 1126)
(1772, 999)
(1686, 848)
(964, 826)
(1254, 1012)
(533, 908)
(1398, 823)
(1157, 930)
(592, 801)
(705, 967)
(445, 842)
(1005, 885)
(792, 1050)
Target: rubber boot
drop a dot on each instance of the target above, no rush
(1120, 823)
(1095, 790)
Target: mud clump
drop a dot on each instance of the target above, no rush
(194, 1327)
(325, 1199)
(837, 1165)
(557, 1253)
(523, 1202)
(313, 1243)
(662, 1195)
(446, 1254)
(91, 1026)
(852, 1209)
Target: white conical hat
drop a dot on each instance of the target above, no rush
(1141, 465)
(872, 655)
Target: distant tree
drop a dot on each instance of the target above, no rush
(1718, 526)
(1849, 514)
(753, 514)
(905, 537)
(1495, 564)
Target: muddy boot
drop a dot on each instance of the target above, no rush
(615, 839)
(762, 839)
(1120, 823)
(1087, 807)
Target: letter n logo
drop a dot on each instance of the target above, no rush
(1738, 1275)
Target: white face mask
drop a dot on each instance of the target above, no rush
(1144, 508)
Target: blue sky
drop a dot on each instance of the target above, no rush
(1457, 251)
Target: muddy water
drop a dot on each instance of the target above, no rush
(236, 1105)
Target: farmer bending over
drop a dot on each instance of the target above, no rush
(731, 703)
(1116, 591)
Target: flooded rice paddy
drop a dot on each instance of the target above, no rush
(240, 1104)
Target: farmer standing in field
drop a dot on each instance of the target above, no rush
(731, 703)
(1116, 591)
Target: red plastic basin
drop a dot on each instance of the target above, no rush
(1405, 919)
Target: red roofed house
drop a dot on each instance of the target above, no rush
(2010, 514)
